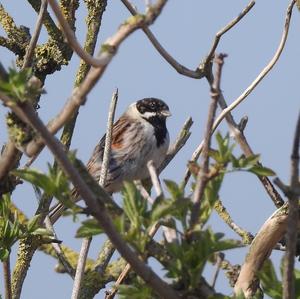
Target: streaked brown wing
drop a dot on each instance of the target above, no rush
(119, 127)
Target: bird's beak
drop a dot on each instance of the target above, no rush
(166, 113)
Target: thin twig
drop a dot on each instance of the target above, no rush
(169, 233)
(293, 217)
(70, 35)
(179, 142)
(108, 136)
(202, 177)
(104, 257)
(222, 212)
(263, 73)
(200, 71)
(7, 278)
(227, 109)
(154, 178)
(35, 36)
(60, 254)
(102, 180)
(80, 267)
(96, 206)
(181, 69)
(220, 259)
(227, 28)
(144, 192)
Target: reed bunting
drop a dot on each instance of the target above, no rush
(138, 136)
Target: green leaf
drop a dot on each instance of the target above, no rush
(135, 207)
(89, 228)
(4, 253)
(42, 232)
(269, 281)
(36, 178)
(252, 160)
(33, 222)
(173, 189)
(262, 171)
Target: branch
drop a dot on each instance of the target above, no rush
(181, 69)
(266, 239)
(53, 31)
(104, 257)
(154, 178)
(200, 71)
(87, 241)
(240, 138)
(59, 252)
(108, 136)
(229, 26)
(70, 35)
(179, 142)
(38, 26)
(80, 267)
(202, 177)
(96, 206)
(293, 194)
(169, 233)
(222, 212)
(264, 72)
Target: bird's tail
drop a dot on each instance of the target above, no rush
(57, 210)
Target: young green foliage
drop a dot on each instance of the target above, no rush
(55, 183)
(21, 86)
(11, 230)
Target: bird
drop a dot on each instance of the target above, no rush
(138, 136)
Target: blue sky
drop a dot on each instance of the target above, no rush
(186, 29)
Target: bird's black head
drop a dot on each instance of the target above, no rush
(152, 107)
(155, 112)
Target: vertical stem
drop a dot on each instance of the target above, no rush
(80, 267)
(7, 278)
(292, 229)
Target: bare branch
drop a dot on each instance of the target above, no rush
(229, 26)
(266, 239)
(200, 71)
(69, 269)
(144, 192)
(220, 259)
(202, 177)
(80, 267)
(107, 148)
(70, 35)
(263, 73)
(154, 178)
(222, 212)
(240, 138)
(169, 233)
(35, 35)
(181, 69)
(104, 257)
(179, 142)
(293, 218)
(97, 207)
